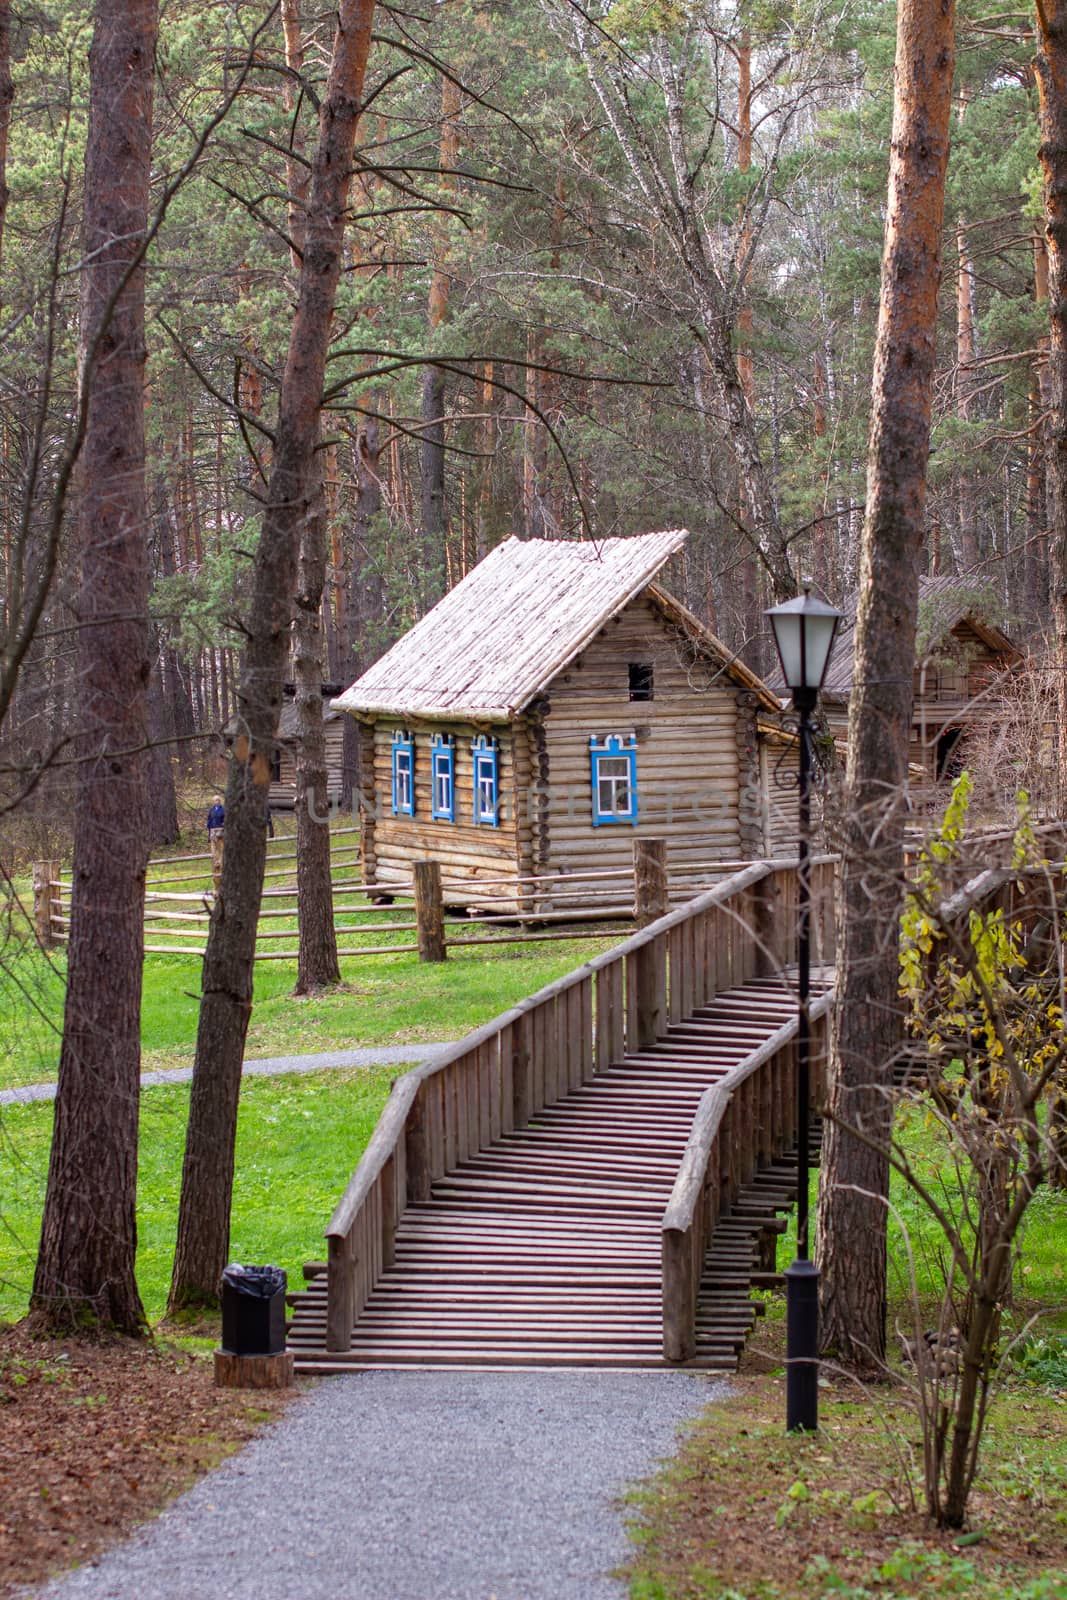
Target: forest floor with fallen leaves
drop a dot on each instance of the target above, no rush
(99, 1435)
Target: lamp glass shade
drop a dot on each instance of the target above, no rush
(804, 632)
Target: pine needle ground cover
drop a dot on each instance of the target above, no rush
(99, 1435)
(747, 1512)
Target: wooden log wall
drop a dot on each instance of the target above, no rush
(282, 794)
(463, 849)
(693, 742)
(503, 1074)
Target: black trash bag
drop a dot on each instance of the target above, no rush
(253, 1310)
(259, 1281)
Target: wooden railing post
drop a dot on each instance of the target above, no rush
(45, 902)
(646, 993)
(521, 1086)
(679, 1295)
(650, 880)
(765, 909)
(340, 1292)
(417, 1152)
(429, 910)
(610, 1016)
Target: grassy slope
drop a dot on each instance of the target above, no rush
(383, 1000)
(298, 1138)
(298, 1141)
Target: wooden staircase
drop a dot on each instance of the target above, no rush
(542, 1246)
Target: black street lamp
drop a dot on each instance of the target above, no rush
(804, 632)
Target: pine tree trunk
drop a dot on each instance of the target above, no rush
(207, 1173)
(162, 798)
(434, 507)
(297, 175)
(85, 1264)
(1051, 69)
(745, 367)
(965, 376)
(317, 965)
(1035, 565)
(868, 1022)
(333, 600)
(363, 609)
(7, 95)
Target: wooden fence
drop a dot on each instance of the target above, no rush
(503, 1074)
(178, 905)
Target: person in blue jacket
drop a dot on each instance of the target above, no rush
(216, 819)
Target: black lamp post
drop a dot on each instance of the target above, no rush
(804, 632)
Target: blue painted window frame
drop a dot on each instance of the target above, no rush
(485, 759)
(614, 748)
(403, 774)
(443, 778)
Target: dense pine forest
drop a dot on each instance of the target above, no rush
(606, 269)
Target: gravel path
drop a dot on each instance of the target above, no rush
(383, 1055)
(415, 1486)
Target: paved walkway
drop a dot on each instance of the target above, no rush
(384, 1055)
(416, 1486)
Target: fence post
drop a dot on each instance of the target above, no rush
(521, 1069)
(679, 1294)
(429, 910)
(45, 902)
(650, 880)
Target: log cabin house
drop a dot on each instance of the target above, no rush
(960, 658)
(555, 703)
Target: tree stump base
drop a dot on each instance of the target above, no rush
(253, 1372)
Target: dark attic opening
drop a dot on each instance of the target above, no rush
(640, 673)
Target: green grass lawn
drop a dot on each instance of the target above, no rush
(916, 1243)
(298, 1140)
(383, 1000)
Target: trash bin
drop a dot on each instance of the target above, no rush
(253, 1310)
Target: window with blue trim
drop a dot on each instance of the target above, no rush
(443, 778)
(485, 757)
(614, 779)
(403, 774)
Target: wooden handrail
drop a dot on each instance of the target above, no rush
(693, 1208)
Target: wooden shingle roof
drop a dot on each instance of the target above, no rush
(498, 639)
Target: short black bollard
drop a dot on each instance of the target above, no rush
(802, 1347)
(253, 1310)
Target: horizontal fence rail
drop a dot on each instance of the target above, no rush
(538, 909)
(503, 1074)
